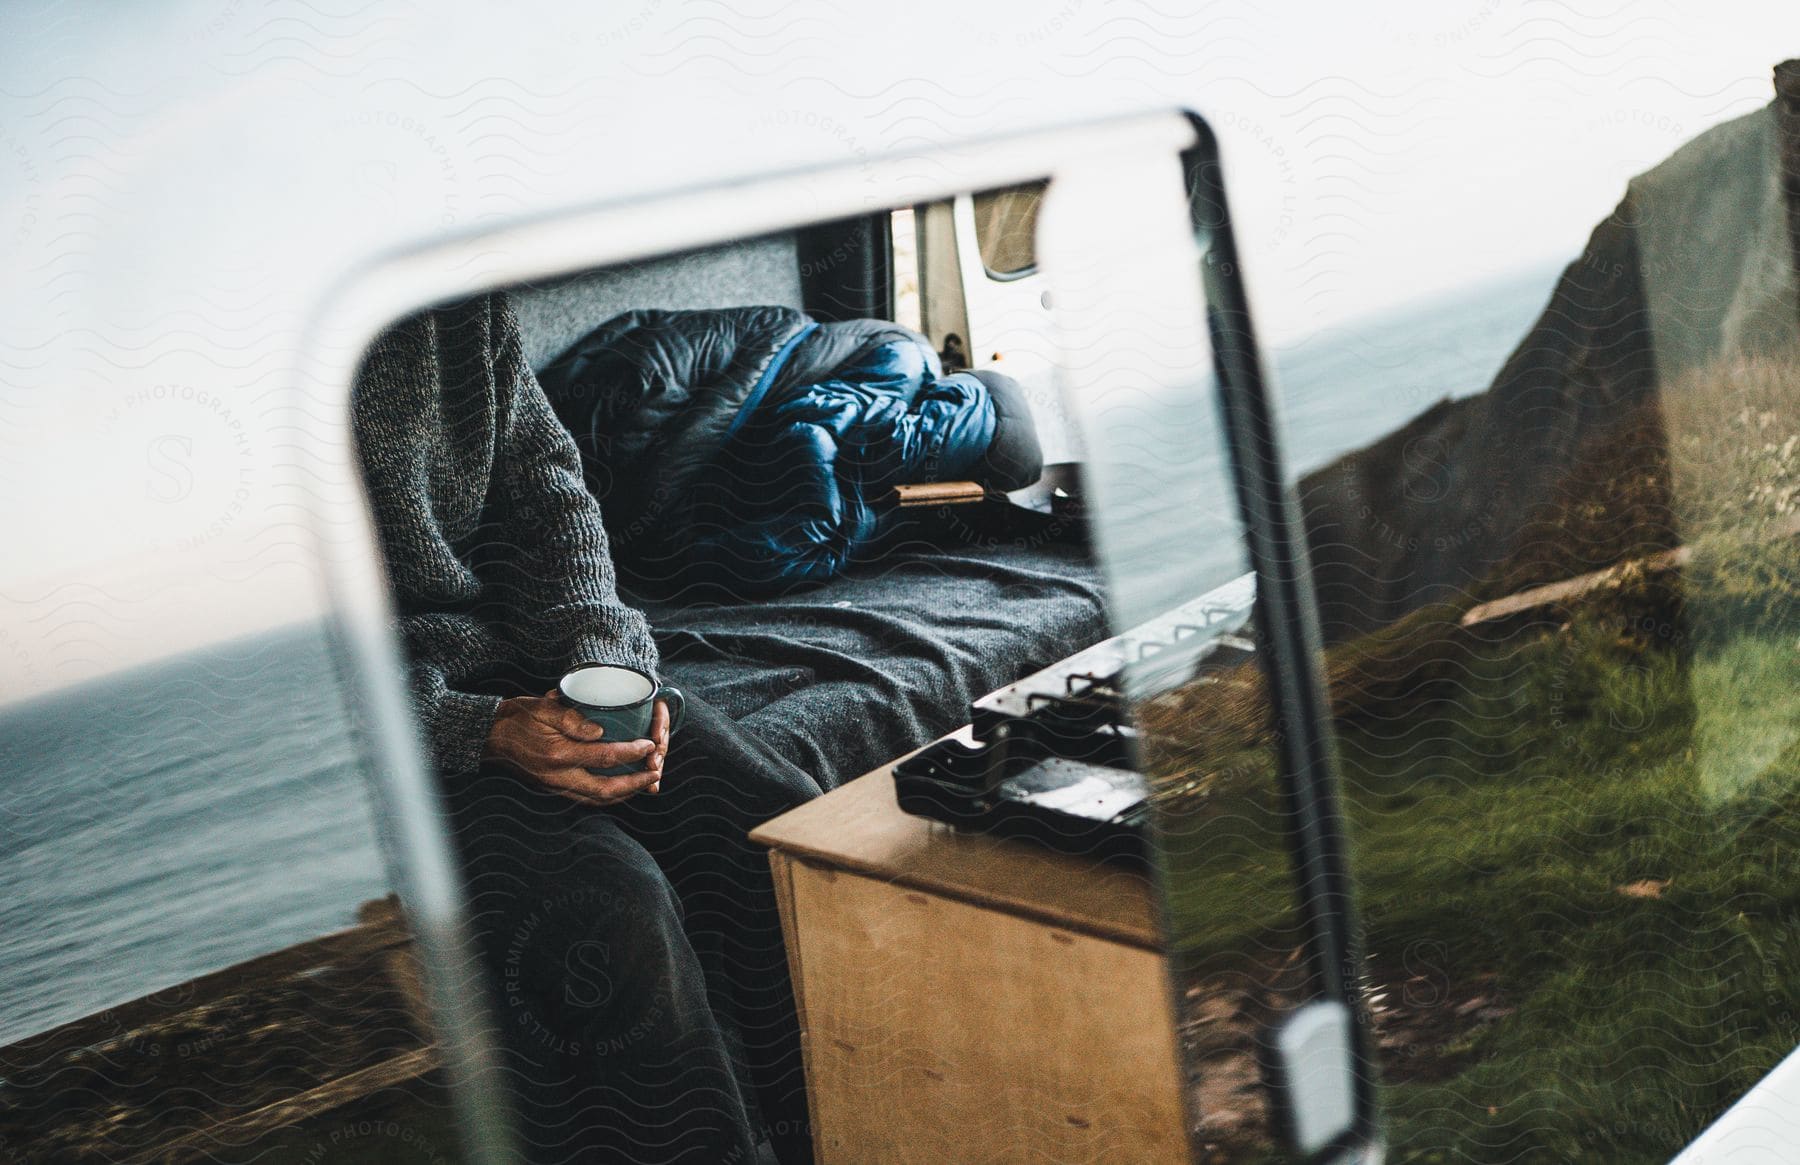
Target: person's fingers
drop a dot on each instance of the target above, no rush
(547, 709)
(565, 782)
(572, 784)
(603, 789)
(621, 787)
(659, 732)
(602, 754)
(574, 724)
(659, 728)
(581, 798)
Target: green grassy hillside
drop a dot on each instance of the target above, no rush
(1574, 830)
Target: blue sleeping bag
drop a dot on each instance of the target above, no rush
(758, 448)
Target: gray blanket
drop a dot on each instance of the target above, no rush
(846, 676)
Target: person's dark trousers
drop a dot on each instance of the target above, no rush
(636, 957)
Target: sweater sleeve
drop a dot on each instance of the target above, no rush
(455, 724)
(559, 569)
(396, 428)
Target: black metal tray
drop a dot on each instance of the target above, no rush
(1019, 786)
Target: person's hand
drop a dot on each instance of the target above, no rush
(554, 746)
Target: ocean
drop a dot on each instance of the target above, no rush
(171, 820)
(1350, 384)
(168, 821)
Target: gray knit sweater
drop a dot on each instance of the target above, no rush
(495, 552)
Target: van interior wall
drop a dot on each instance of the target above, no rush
(837, 271)
(555, 314)
(847, 268)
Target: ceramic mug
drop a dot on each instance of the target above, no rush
(620, 699)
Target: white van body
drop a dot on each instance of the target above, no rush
(187, 191)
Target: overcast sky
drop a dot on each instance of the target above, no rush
(1444, 143)
(180, 185)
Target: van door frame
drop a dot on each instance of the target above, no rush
(389, 287)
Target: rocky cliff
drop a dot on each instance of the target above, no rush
(1695, 265)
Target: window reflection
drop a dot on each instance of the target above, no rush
(1561, 645)
(1564, 634)
(203, 958)
(1006, 228)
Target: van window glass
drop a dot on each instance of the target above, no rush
(1006, 228)
(1561, 619)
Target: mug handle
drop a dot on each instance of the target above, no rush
(677, 703)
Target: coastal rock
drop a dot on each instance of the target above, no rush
(1694, 265)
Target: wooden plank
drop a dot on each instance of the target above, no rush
(246, 1128)
(1610, 578)
(859, 826)
(941, 1031)
(1572, 589)
(782, 867)
(940, 493)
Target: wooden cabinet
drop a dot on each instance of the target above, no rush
(967, 998)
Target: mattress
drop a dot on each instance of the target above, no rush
(845, 676)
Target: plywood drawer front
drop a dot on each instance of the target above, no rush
(939, 1031)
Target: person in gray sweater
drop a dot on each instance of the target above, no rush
(628, 925)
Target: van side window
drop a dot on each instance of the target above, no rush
(1006, 228)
